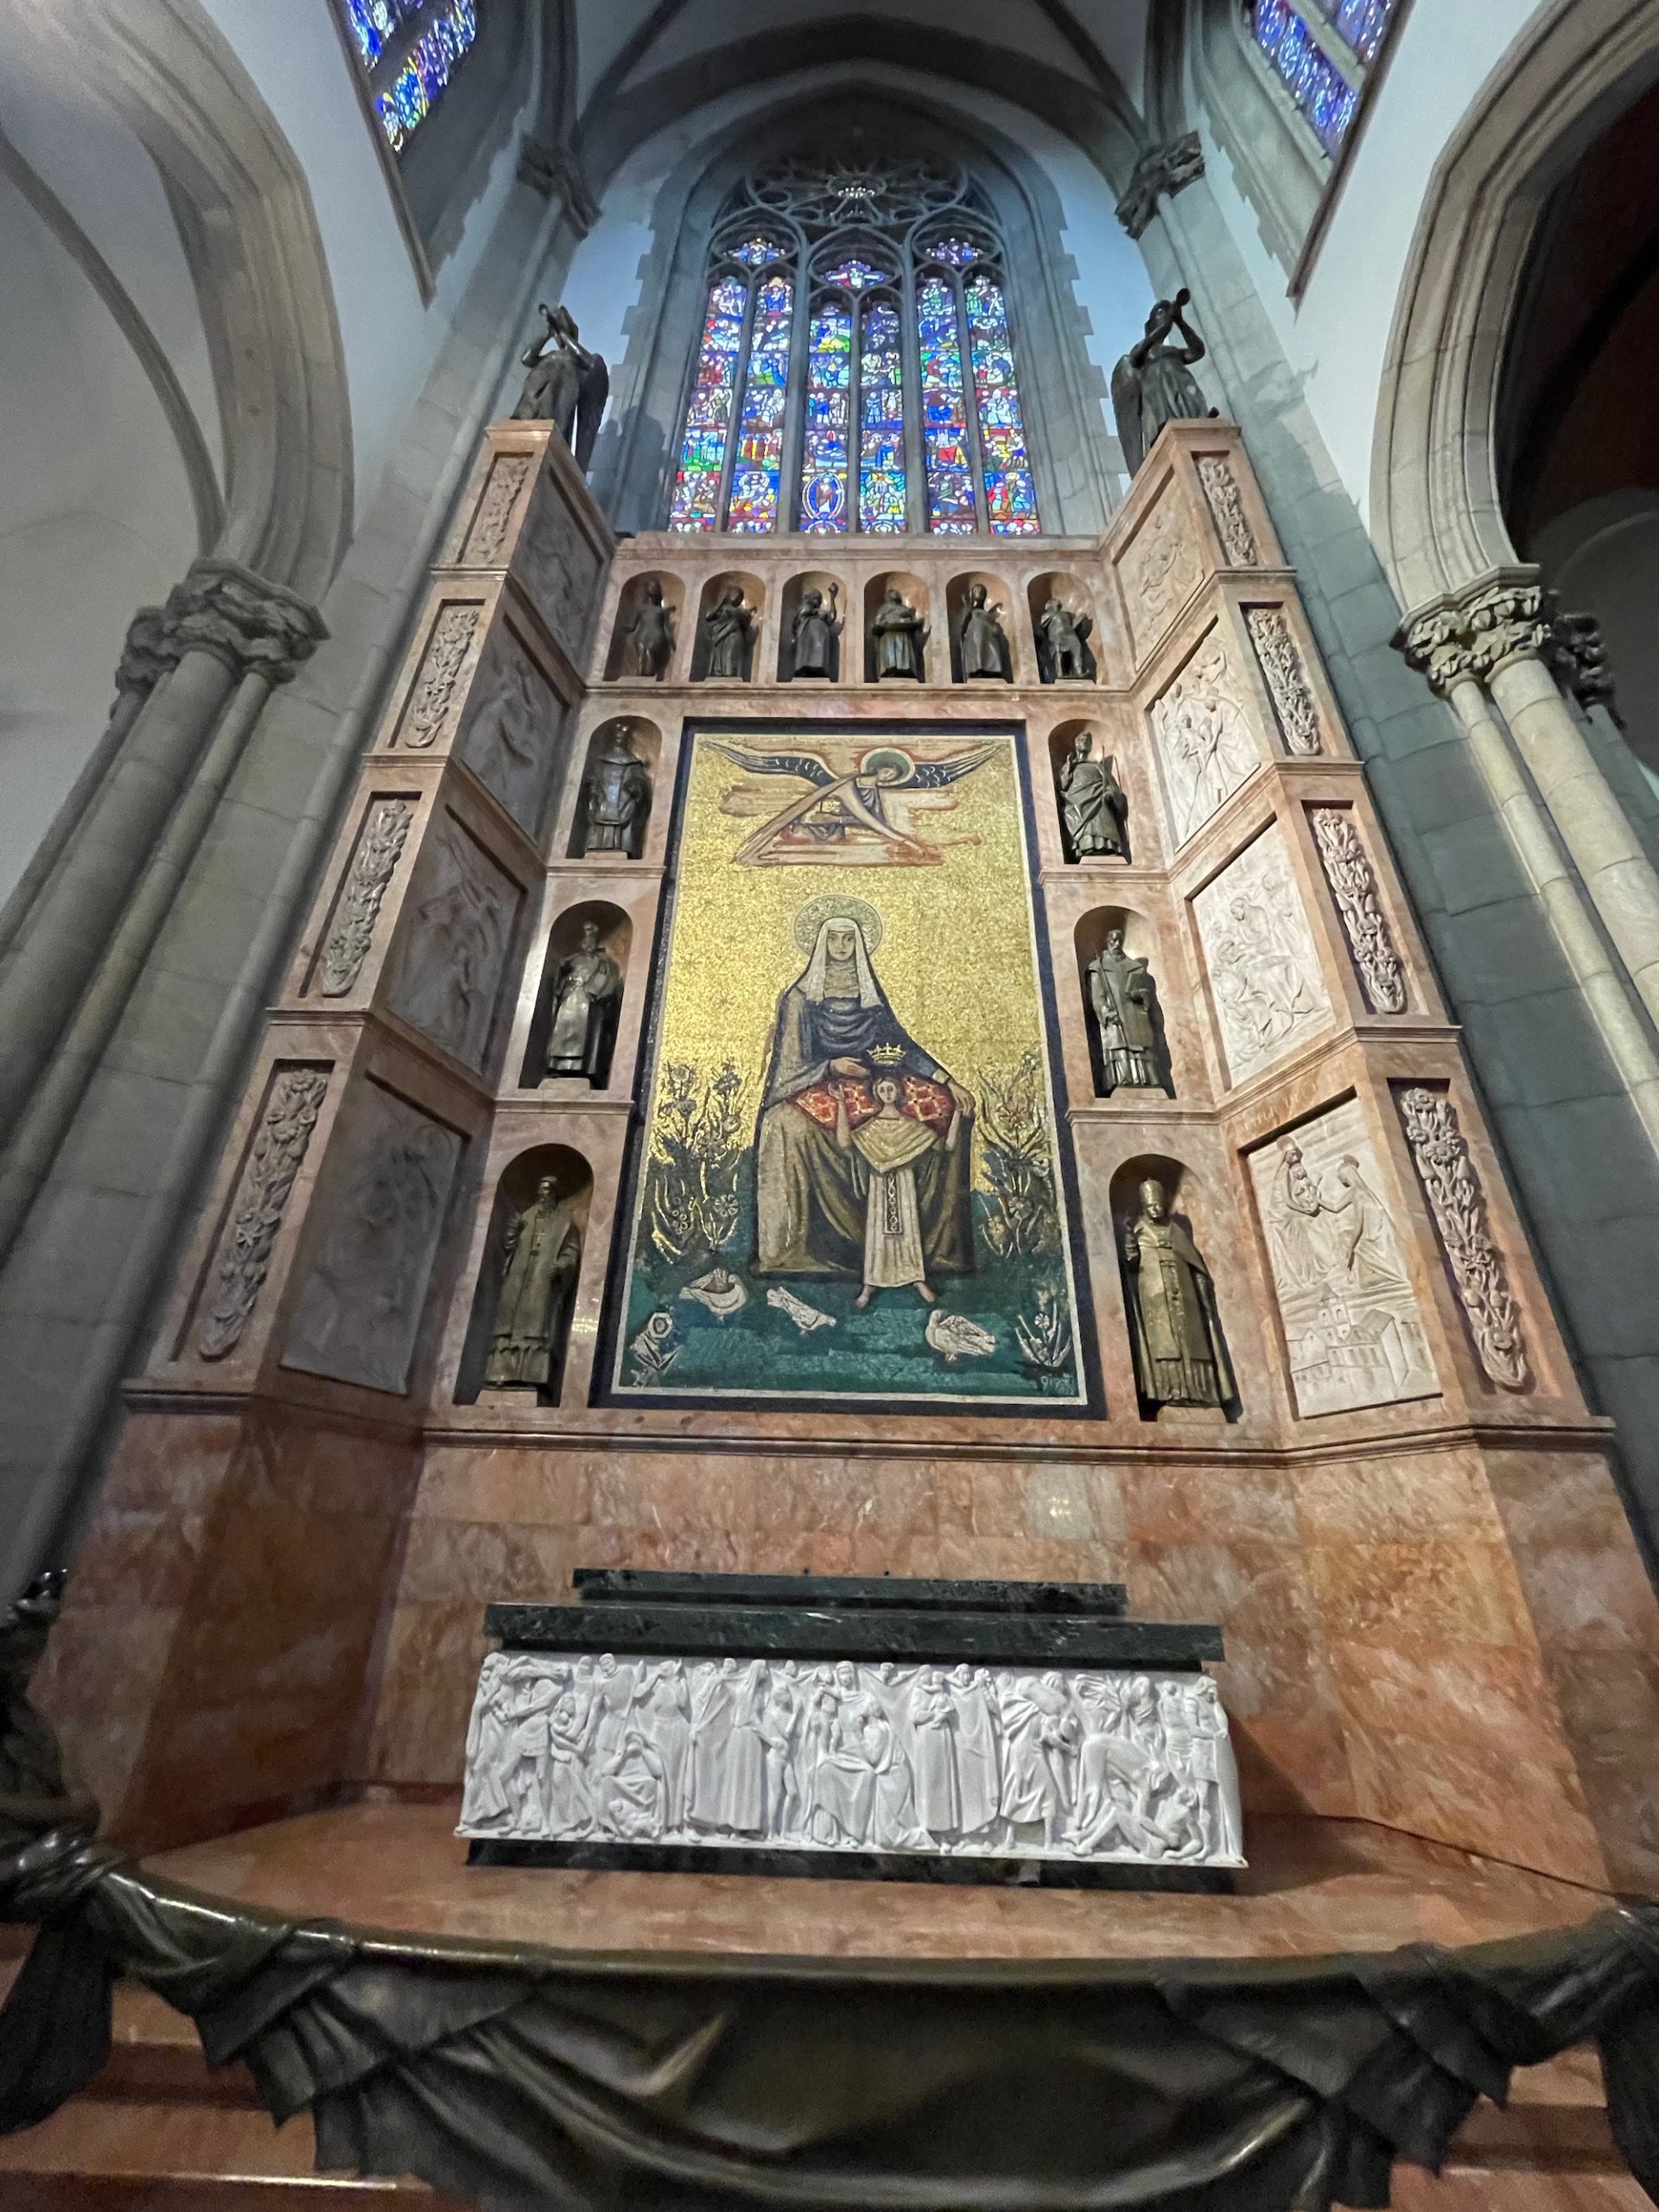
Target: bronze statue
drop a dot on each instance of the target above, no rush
(728, 629)
(653, 634)
(615, 803)
(1063, 654)
(1180, 1359)
(587, 1000)
(567, 386)
(1094, 806)
(1125, 1003)
(984, 641)
(1153, 383)
(814, 634)
(532, 1315)
(899, 635)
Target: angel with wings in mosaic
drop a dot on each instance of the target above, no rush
(855, 809)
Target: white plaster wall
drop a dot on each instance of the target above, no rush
(1336, 338)
(95, 520)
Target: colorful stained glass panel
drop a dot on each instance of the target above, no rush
(753, 507)
(957, 252)
(825, 442)
(856, 273)
(950, 509)
(431, 62)
(881, 420)
(709, 416)
(1010, 489)
(1362, 23)
(1314, 82)
(758, 252)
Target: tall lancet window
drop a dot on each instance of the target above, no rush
(1321, 51)
(855, 370)
(410, 50)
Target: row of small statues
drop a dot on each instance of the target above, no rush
(897, 637)
(851, 1756)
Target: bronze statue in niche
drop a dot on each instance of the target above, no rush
(615, 803)
(1063, 649)
(567, 386)
(651, 634)
(532, 1315)
(587, 1001)
(814, 634)
(728, 634)
(899, 635)
(1094, 806)
(1180, 1356)
(1124, 1002)
(1153, 383)
(984, 641)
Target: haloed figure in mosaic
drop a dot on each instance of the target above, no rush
(885, 1149)
(1180, 1356)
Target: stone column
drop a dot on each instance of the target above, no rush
(221, 625)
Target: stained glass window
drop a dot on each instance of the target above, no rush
(410, 50)
(1320, 52)
(856, 371)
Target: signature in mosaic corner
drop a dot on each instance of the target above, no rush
(851, 1186)
(859, 804)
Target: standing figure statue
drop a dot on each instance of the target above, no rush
(984, 641)
(615, 798)
(587, 1000)
(1063, 654)
(651, 632)
(532, 1315)
(1125, 1000)
(1153, 383)
(1180, 1359)
(898, 635)
(1094, 806)
(728, 629)
(813, 635)
(567, 386)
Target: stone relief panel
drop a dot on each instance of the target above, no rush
(380, 843)
(1226, 505)
(969, 1762)
(1294, 707)
(273, 1160)
(1353, 887)
(1441, 1153)
(1207, 744)
(437, 681)
(560, 569)
(488, 539)
(1161, 568)
(511, 723)
(1352, 1323)
(359, 1308)
(1264, 971)
(449, 973)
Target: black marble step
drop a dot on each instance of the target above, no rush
(755, 1631)
(856, 1866)
(634, 1586)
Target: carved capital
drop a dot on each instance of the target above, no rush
(1161, 172)
(547, 168)
(146, 657)
(1473, 632)
(227, 610)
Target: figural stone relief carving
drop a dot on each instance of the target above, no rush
(380, 847)
(487, 539)
(968, 1762)
(274, 1162)
(1353, 887)
(1441, 1152)
(504, 741)
(359, 1308)
(1206, 746)
(1293, 707)
(1161, 569)
(440, 674)
(1264, 971)
(449, 970)
(1352, 1323)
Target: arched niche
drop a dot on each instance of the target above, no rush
(998, 598)
(1140, 942)
(916, 592)
(646, 741)
(1191, 1207)
(834, 592)
(754, 596)
(615, 933)
(622, 659)
(517, 1191)
(1061, 740)
(1071, 592)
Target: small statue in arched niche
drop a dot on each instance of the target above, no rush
(1123, 999)
(615, 803)
(1094, 806)
(587, 1001)
(532, 1314)
(651, 633)
(984, 641)
(1153, 383)
(899, 636)
(814, 634)
(728, 629)
(1063, 651)
(1180, 1355)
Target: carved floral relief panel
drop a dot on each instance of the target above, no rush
(1159, 569)
(381, 839)
(1206, 741)
(437, 689)
(358, 1312)
(1265, 978)
(457, 934)
(1353, 1326)
(275, 1155)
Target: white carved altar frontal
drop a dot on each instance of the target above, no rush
(1075, 1766)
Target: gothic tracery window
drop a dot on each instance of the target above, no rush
(855, 370)
(410, 50)
(1320, 50)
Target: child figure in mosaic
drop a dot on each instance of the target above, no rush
(885, 1149)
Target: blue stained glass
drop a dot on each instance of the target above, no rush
(709, 416)
(427, 70)
(881, 421)
(1010, 488)
(855, 274)
(957, 252)
(824, 446)
(757, 251)
(753, 507)
(1314, 82)
(373, 23)
(1362, 23)
(950, 508)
